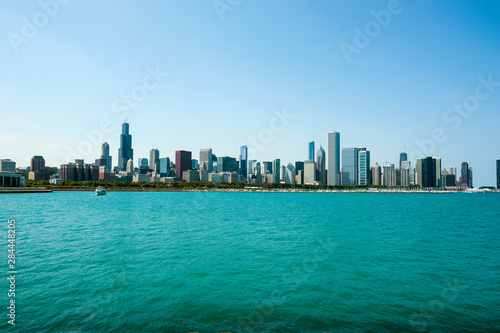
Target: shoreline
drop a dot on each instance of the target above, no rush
(237, 190)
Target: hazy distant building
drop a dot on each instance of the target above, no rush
(7, 165)
(376, 174)
(311, 151)
(182, 162)
(206, 160)
(125, 152)
(333, 174)
(349, 166)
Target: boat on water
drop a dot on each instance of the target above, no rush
(100, 191)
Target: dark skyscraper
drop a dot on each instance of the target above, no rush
(182, 161)
(37, 164)
(429, 172)
(466, 176)
(498, 174)
(402, 157)
(125, 152)
(243, 161)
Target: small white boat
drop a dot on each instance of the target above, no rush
(100, 191)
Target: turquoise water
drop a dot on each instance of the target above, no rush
(254, 262)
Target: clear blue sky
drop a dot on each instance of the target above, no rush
(225, 77)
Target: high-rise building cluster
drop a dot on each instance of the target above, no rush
(333, 167)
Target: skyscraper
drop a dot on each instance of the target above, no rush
(333, 174)
(349, 166)
(182, 162)
(311, 151)
(276, 171)
(267, 167)
(105, 155)
(363, 167)
(38, 164)
(125, 152)
(402, 158)
(466, 176)
(206, 159)
(299, 166)
(309, 172)
(321, 167)
(164, 166)
(429, 172)
(376, 174)
(498, 174)
(243, 163)
(130, 166)
(227, 164)
(154, 156)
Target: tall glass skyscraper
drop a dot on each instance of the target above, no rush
(243, 167)
(276, 171)
(321, 167)
(125, 152)
(363, 167)
(311, 151)
(333, 173)
(349, 166)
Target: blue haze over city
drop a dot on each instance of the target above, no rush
(424, 78)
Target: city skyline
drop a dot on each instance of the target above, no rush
(352, 166)
(188, 79)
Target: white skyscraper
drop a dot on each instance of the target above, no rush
(333, 174)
